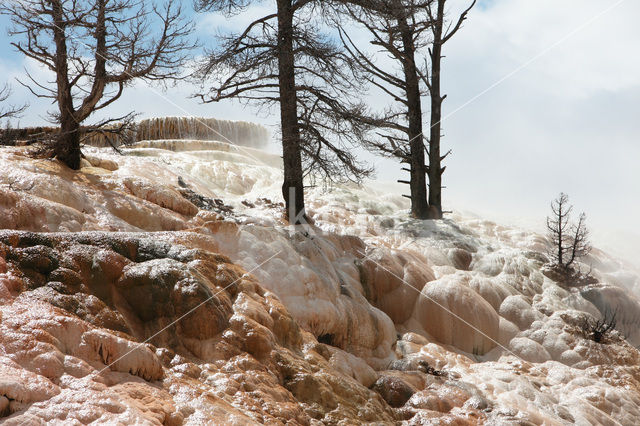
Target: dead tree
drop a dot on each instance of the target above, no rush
(398, 29)
(600, 330)
(569, 241)
(579, 243)
(95, 49)
(558, 227)
(10, 111)
(404, 29)
(282, 60)
(442, 30)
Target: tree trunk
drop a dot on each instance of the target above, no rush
(435, 166)
(292, 188)
(560, 235)
(67, 147)
(418, 185)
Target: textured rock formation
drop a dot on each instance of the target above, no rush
(196, 303)
(456, 315)
(393, 281)
(166, 322)
(240, 132)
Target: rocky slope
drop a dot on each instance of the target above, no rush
(163, 287)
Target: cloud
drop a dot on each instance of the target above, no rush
(568, 122)
(595, 57)
(213, 23)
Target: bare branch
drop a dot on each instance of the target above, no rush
(247, 66)
(569, 242)
(10, 111)
(461, 19)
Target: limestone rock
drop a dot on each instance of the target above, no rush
(529, 350)
(162, 196)
(121, 355)
(519, 311)
(392, 282)
(456, 315)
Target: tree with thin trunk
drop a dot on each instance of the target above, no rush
(399, 29)
(580, 245)
(412, 33)
(95, 49)
(10, 111)
(283, 60)
(569, 242)
(442, 31)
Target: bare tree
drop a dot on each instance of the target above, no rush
(579, 243)
(10, 111)
(404, 29)
(600, 330)
(282, 59)
(558, 227)
(442, 31)
(399, 29)
(95, 49)
(569, 241)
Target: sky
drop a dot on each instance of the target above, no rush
(543, 97)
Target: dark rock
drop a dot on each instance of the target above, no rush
(86, 307)
(5, 408)
(28, 239)
(427, 369)
(395, 391)
(305, 387)
(460, 258)
(147, 287)
(41, 259)
(150, 250)
(402, 365)
(65, 281)
(33, 279)
(108, 264)
(205, 203)
(208, 313)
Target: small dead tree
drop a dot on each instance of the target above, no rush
(95, 49)
(10, 111)
(282, 60)
(600, 330)
(579, 242)
(569, 241)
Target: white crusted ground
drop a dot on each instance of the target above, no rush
(465, 295)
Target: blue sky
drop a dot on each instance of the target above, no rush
(9, 57)
(567, 121)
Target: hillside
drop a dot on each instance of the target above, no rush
(164, 287)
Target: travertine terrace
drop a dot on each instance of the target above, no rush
(164, 287)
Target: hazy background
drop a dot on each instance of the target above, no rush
(569, 121)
